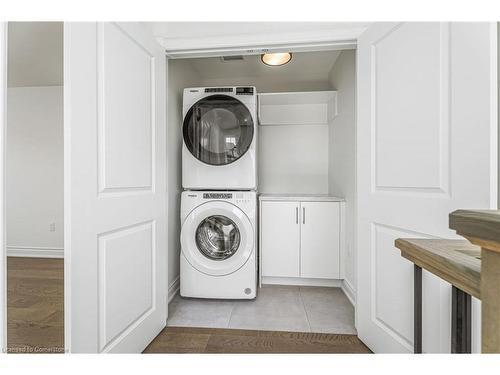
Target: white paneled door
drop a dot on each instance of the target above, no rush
(427, 145)
(115, 187)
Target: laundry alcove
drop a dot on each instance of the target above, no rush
(306, 132)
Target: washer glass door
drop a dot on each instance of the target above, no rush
(218, 129)
(217, 238)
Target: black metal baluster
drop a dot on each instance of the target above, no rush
(461, 321)
(417, 310)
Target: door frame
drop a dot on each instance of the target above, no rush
(315, 43)
(3, 128)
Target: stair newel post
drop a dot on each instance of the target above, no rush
(482, 228)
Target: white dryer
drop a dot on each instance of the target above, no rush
(220, 136)
(218, 244)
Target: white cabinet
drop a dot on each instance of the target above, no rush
(281, 239)
(300, 237)
(320, 240)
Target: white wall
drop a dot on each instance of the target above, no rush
(180, 75)
(342, 151)
(34, 169)
(293, 159)
(35, 54)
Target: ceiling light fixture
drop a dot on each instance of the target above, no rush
(276, 59)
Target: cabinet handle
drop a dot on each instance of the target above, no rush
(303, 215)
(296, 215)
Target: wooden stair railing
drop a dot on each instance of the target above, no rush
(456, 262)
(482, 228)
(472, 268)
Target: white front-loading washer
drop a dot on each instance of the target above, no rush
(219, 138)
(218, 244)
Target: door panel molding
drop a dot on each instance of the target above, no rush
(108, 341)
(385, 324)
(442, 179)
(121, 169)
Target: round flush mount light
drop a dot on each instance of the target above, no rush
(276, 59)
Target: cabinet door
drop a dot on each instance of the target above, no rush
(320, 240)
(280, 239)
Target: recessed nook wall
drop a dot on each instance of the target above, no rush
(293, 141)
(342, 154)
(180, 75)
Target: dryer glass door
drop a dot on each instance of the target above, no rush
(218, 129)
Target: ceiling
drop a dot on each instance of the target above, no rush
(35, 54)
(304, 66)
(195, 35)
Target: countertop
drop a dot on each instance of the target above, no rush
(300, 197)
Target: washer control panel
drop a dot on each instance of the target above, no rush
(244, 200)
(217, 196)
(235, 197)
(241, 198)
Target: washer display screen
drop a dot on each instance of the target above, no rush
(217, 237)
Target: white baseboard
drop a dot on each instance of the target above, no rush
(35, 252)
(349, 292)
(300, 281)
(173, 289)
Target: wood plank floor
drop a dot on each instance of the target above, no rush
(35, 322)
(217, 340)
(35, 305)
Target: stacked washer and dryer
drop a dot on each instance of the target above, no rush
(219, 201)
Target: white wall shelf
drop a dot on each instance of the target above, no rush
(297, 108)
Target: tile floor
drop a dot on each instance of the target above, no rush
(277, 308)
